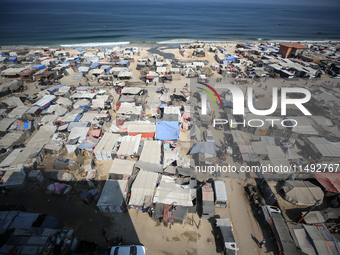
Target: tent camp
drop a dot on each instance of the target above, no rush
(301, 192)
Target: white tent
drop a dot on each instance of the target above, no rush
(112, 198)
(143, 186)
(104, 148)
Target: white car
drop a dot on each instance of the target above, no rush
(128, 250)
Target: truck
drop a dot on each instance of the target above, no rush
(220, 192)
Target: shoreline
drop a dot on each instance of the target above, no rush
(170, 43)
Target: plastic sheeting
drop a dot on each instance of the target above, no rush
(167, 130)
(204, 147)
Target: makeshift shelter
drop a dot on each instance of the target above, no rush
(76, 136)
(143, 128)
(171, 113)
(330, 182)
(323, 147)
(129, 146)
(301, 193)
(150, 158)
(167, 130)
(10, 86)
(10, 158)
(82, 103)
(315, 239)
(105, 147)
(6, 123)
(45, 101)
(169, 192)
(143, 187)
(121, 169)
(18, 112)
(195, 133)
(204, 147)
(112, 198)
(13, 178)
(10, 139)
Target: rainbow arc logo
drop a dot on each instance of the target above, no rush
(209, 93)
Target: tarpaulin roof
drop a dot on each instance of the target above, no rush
(129, 145)
(40, 67)
(330, 181)
(204, 147)
(55, 88)
(88, 143)
(150, 158)
(113, 193)
(167, 130)
(121, 167)
(302, 192)
(324, 147)
(45, 100)
(94, 65)
(169, 192)
(144, 185)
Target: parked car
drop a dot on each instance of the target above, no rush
(128, 249)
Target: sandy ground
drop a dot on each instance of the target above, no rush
(136, 227)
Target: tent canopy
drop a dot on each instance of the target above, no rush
(204, 147)
(167, 130)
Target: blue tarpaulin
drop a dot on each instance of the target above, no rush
(204, 147)
(12, 59)
(167, 130)
(94, 65)
(124, 62)
(40, 67)
(80, 50)
(89, 143)
(163, 105)
(232, 58)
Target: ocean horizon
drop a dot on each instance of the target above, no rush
(106, 23)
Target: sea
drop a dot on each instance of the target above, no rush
(107, 23)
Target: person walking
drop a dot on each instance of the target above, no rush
(262, 243)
